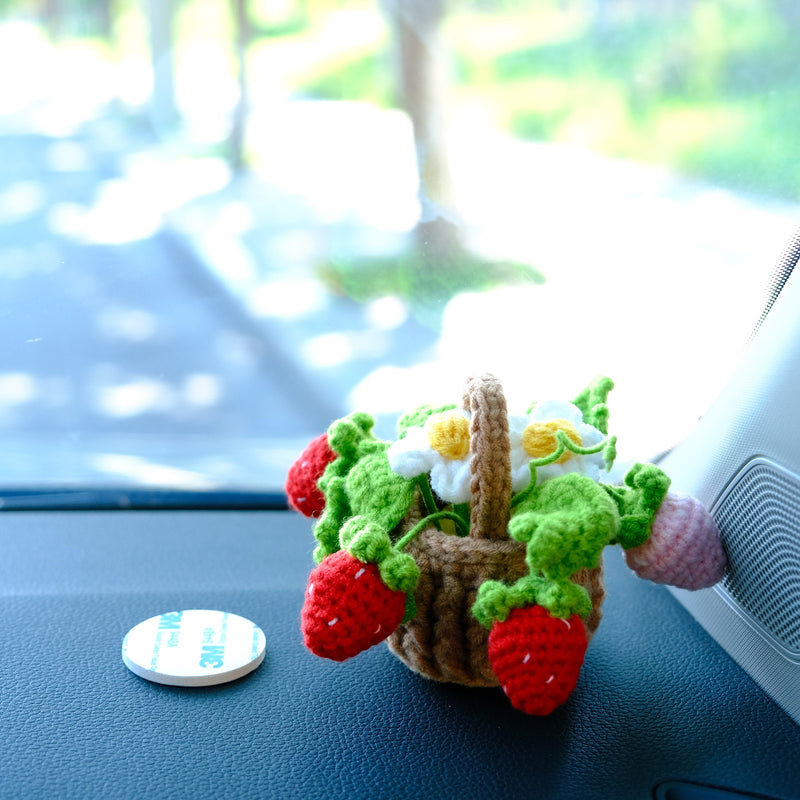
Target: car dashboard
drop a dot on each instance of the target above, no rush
(660, 710)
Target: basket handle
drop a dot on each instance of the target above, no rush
(490, 457)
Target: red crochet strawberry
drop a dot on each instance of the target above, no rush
(348, 608)
(301, 480)
(537, 657)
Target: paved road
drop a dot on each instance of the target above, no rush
(164, 324)
(122, 357)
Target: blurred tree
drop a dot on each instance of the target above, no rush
(244, 33)
(53, 20)
(438, 265)
(422, 76)
(161, 22)
(104, 14)
(70, 17)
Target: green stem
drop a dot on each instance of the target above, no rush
(527, 491)
(564, 443)
(562, 437)
(423, 523)
(462, 509)
(610, 452)
(427, 496)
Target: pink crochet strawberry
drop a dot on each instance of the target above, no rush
(301, 480)
(537, 657)
(684, 548)
(348, 608)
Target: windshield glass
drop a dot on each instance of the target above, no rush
(225, 224)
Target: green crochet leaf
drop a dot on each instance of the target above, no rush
(368, 542)
(365, 540)
(592, 403)
(353, 442)
(564, 598)
(337, 509)
(638, 501)
(419, 416)
(377, 492)
(566, 522)
(400, 572)
(610, 452)
(351, 437)
(496, 600)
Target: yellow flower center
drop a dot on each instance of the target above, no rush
(448, 435)
(539, 438)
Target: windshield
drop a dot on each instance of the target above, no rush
(225, 224)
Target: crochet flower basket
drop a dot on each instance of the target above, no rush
(445, 641)
(473, 543)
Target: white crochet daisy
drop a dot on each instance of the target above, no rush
(440, 447)
(534, 436)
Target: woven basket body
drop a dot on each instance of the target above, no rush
(444, 641)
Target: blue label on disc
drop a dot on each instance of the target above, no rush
(194, 648)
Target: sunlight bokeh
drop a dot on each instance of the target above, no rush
(571, 193)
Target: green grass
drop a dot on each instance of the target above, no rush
(710, 89)
(711, 92)
(426, 278)
(363, 76)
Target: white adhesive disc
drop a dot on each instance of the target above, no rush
(194, 648)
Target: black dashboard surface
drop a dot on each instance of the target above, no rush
(658, 701)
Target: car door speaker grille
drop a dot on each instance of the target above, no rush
(759, 518)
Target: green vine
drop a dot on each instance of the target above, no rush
(607, 446)
(407, 538)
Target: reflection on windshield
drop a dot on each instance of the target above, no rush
(223, 225)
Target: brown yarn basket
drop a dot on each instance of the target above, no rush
(444, 641)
